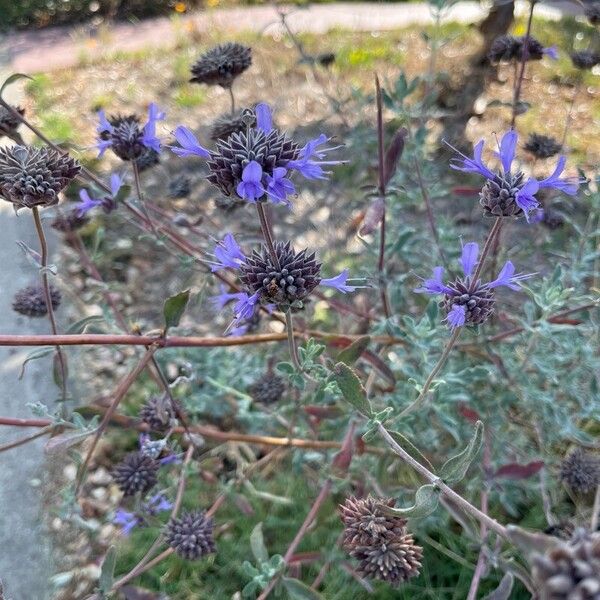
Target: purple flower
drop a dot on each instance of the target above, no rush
(170, 459)
(306, 164)
(264, 119)
(507, 278)
(189, 144)
(468, 258)
(157, 503)
(87, 203)
(103, 124)
(108, 203)
(250, 188)
(434, 285)
(278, 187)
(149, 138)
(569, 185)
(339, 282)
(505, 189)
(228, 254)
(551, 52)
(243, 310)
(220, 300)
(457, 316)
(468, 301)
(126, 520)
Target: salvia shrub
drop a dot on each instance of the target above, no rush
(320, 417)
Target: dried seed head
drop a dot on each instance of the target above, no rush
(503, 49)
(191, 535)
(285, 285)
(498, 195)
(179, 187)
(580, 470)
(383, 546)
(8, 122)
(31, 301)
(478, 303)
(72, 221)
(592, 12)
(268, 389)
(227, 125)
(136, 473)
(542, 146)
(34, 176)
(158, 413)
(533, 50)
(222, 64)
(585, 59)
(147, 159)
(570, 570)
(269, 150)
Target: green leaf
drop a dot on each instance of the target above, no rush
(123, 193)
(426, 501)
(530, 542)
(352, 389)
(299, 591)
(107, 572)
(352, 353)
(502, 592)
(257, 544)
(81, 325)
(411, 449)
(174, 308)
(455, 468)
(11, 79)
(34, 355)
(61, 443)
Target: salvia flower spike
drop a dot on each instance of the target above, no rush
(507, 193)
(466, 301)
(256, 163)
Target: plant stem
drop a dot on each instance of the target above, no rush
(48, 297)
(595, 510)
(381, 175)
(232, 99)
(134, 573)
(289, 327)
(447, 491)
(486, 249)
(140, 195)
(440, 363)
(119, 393)
(525, 55)
(310, 517)
(267, 234)
(29, 438)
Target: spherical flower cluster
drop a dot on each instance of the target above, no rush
(31, 301)
(508, 48)
(282, 281)
(227, 125)
(468, 301)
(542, 146)
(508, 194)
(69, 222)
(158, 413)
(569, 570)
(383, 546)
(581, 471)
(268, 389)
(222, 64)
(191, 535)
(585, 59)
(34, 176)
(256, 164)
(125, 136)
(137, 472)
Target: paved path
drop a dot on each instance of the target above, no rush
(64, 47)
(25, 564)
